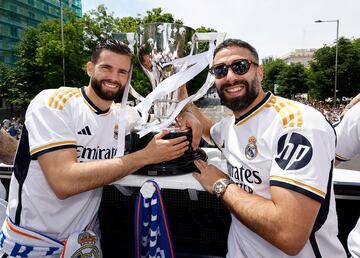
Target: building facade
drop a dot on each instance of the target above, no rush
(303, 56)
(15, 15)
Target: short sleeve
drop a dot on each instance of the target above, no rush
(50, 128)
(303, 160)
(348, 135)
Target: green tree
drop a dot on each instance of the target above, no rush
(98, 26)
(31, 74)
(156, 15)
(40, 58)
(322, 74)
(272, 70)
(322, 71)
(129, 24)
(292, 80)
(11, 87)
(50, 53)
(348, 69)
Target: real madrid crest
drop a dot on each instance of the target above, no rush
(251, 150)
(86, 246)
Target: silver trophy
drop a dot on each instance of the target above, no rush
(159, 45)
(167, 55)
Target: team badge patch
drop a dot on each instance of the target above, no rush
(82, 244)
(251, 150)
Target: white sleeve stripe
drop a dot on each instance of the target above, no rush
(297, 189)
(51, 145)
(341, 158)
(298, 184)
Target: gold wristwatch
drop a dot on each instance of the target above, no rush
(220, 186)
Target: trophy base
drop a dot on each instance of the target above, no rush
(182, 165)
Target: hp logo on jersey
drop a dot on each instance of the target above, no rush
(294, 151)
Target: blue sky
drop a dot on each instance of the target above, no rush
(273, 27)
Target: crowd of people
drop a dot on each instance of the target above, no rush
(13, 126)
(326, 108)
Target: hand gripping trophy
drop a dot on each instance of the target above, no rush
(167, 55)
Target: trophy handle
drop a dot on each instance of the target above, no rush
(207, 37)
(196, 64)
(210, 36)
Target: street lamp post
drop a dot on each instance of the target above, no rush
(336, 54)
(62, 40)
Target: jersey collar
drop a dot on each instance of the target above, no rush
(255, 109)
(92, 105)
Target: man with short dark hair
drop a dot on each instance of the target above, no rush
(280, 157)
(67, 152)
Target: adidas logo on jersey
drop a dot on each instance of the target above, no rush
(85, 131)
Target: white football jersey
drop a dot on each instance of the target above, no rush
(348, 147)
(57, 119)
(286, 144)
(348, 135)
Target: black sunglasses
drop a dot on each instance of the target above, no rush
(240, 67)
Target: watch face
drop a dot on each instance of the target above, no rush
(219, 187)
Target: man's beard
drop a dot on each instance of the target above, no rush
(238, 104)
(96, 85)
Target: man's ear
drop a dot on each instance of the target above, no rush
(260, 72)
(90, 68)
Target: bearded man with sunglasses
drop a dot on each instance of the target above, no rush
(280, 156)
